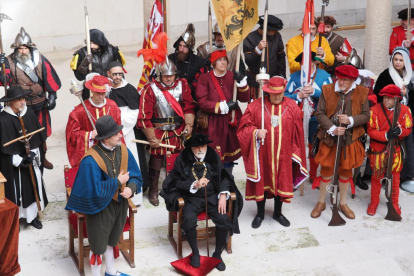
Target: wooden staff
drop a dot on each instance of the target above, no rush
(233, 112)
(148, 143)
(210, 29)
(88, 36)
(3, 16)
(409, 36)
(28, 136)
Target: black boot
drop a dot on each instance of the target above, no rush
(36, 224)
(360, 183)
(257, 221)
(192, 241)
(221, 237)
(155, 165)
(277, 214)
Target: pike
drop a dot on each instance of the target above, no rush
(210, 28)
(409, 36)
(26, 139)
(321, 27)
(336, 219)
(388, 179)
(88, 35)
(76, 89)
(2, 17)
(263, 77)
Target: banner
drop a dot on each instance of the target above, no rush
(236, 19)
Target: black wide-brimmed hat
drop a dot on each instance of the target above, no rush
(300, 57)
(107, 127)
(403, 14)
(14, 93)
(273, 23)
(196, 140)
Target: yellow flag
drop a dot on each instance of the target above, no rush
(236, 19)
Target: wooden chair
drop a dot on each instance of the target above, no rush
(176, 217)
(77, 229)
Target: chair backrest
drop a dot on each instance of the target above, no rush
(70, 175)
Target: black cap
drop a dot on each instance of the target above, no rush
(196, 140)
(300, 56)
(114, 64)
(273, 23)
(14, 93)
(107, 127)
(403, 14)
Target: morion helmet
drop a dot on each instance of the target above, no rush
(23, 38)
(354, 59)
(188, 37)
(216, 29)
(167, 68)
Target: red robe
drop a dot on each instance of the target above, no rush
(78, 128)
(377, 129)
(278, 166)
(219, 130)
(146, 112)
(397, 37)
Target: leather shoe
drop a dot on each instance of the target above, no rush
(319, 208)
(220, 266)
(360, 183)
(47, 164)
(372, 209)
(282, 220)
(153, 197)
(257, 221)
(347, 212)
(195, 260)
(36, 224)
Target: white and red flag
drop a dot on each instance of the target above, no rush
(155, 26)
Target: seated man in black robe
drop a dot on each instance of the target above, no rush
(198, 169)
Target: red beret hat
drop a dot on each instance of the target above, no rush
(98, 84)
(391, 90)
(217, 54)
(275, 85)
(346, 72)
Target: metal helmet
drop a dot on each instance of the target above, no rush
(216, 29)
(22, 38)
(167, 68)
(354, 59)
(188, 37)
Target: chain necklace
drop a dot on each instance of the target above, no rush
(204, 173)
(110, 159)
(274, 119)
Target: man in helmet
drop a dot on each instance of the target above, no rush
(166, 115)
(189, 65)
(253, 46)
(102, 53)
(30, 70)
(218, 44)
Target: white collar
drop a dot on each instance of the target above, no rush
(219, 76)
(123, 84)
(350, 89)
(329, 36)
(96, 105)
(9, 110)
(103, 145)
(390, 109)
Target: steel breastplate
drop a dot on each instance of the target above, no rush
(162, 108)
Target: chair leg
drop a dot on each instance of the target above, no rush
(81, 249)
(131, 241)
(179, 234)
(228, 246)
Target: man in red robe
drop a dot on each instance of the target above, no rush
(278, 166)
(166, 114)
(214, 95)
(80, 134)
(380, 132)
(398, 36)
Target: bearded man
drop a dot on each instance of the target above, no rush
(295, 46)
(30, 70)
(102, 53)
(189, 65)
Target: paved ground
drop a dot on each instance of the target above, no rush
(365, 246)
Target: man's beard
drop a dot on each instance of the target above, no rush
(23, 58)
(200, 155)
(183, 56)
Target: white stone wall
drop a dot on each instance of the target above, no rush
(58, 25)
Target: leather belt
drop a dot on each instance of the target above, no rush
(168, 120)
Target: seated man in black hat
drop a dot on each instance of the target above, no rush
(253, 45)
(102, 53)
(198, 169)
(14, 162)
(108, 175)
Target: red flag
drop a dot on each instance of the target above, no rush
(155, 26)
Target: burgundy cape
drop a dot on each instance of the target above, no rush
(278, 166)
(219, 130)
(78, 128)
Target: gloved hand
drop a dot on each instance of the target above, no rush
(224, 108)
(27, 159)
(51, 101)
(238, 76)
(83, 67)
(2, 58)
(232, 105)
(393, 133)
